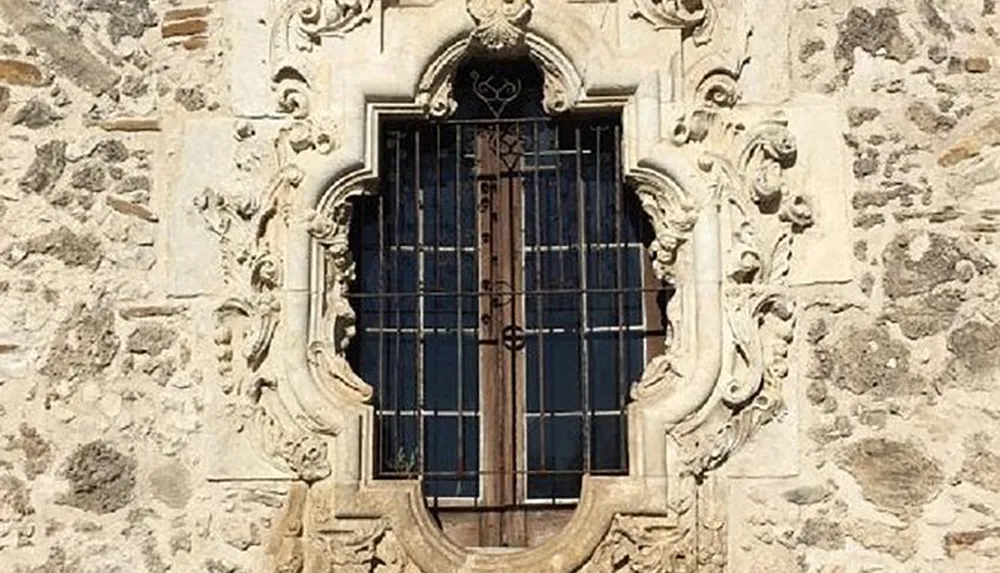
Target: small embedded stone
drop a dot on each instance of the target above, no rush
(151, 339)
(187, 13)
(191, 99)
(18, 73)
(126, 17)
(807, 495)
(964, 149)
(46, 169)
(151, 310)
(4, 98)
(71, 249)
(822, 533)
(195, 43)
(111, 151)
(957, 541)
(35, 114)
(896, 476)
(857, 116)
(977, 65)
(101, 478)
(91, 177)
(928, 120)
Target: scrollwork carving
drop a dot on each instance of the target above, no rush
(366, 548)
(697, 17)
(253, 231)
(637, 544)
(760, 316)
(301, 25)
(672, 216)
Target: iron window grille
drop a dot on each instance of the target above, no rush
(504, 300)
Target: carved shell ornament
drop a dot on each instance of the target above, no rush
(499, 23)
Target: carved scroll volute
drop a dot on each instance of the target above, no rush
(330, 229)
(697, 17)
(672, 217)
(301, 25)
(499, 23)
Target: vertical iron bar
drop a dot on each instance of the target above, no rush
(419, 367)
(581, 217)
(458, 288)
(497, 239)
(381, 322)
(396, 300)
(438, 240)
(539, 304)
(559, 211)
(619, 271)
(598, 207)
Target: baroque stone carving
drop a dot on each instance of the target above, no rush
(693, 542)
(749, 164)
(672, 216)
(697, 17)
(736, 183)
(301, 25)
(253, 234)
(499, 23)
(365, 548)
(561, 86)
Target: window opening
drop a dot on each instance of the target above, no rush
(504, 304)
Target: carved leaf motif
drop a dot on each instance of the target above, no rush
(499, 23)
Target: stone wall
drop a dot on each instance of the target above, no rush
(112, 265)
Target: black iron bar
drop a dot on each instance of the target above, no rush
(619, 271)
(581, 217)
(397, 433)
(539, 305)
(460, 326)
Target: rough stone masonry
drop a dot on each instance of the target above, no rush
(107, 358)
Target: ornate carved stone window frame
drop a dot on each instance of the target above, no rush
(723, 220)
